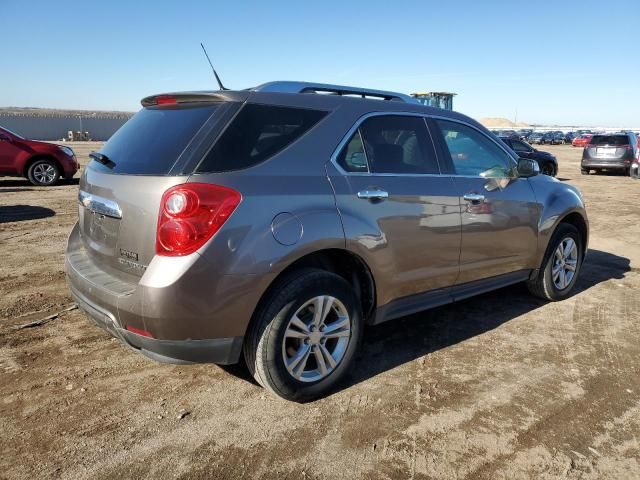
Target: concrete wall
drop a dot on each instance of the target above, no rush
(39, 127)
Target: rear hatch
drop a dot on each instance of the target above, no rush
(121, 188)
(609, 148)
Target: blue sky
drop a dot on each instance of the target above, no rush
(554, 62)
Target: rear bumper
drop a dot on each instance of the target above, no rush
(189, 314)
(223, 351)
(613, 165)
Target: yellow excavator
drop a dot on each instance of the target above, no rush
(435, 99)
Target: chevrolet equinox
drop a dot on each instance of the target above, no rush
(275, 223)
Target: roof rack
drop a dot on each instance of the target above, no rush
(322, 88)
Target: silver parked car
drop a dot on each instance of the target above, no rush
(276, 223)
(617, 151)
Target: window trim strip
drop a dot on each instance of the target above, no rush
(356, 126)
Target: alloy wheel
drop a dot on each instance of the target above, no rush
(44, 173)
(565, 263)
(316, 338)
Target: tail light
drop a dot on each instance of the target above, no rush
(190, 214)
(166, 100)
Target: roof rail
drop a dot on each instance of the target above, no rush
(322, 88)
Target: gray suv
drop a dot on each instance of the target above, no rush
(274, 224)
(613, 151)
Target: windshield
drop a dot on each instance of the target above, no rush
(11, 133)
(151, 142)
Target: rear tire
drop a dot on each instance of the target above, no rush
(43, 173)
(304, 335)
(561, 265)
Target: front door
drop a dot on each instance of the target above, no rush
(398, 211)
(499, 211)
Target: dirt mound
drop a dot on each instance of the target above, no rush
(493, 122)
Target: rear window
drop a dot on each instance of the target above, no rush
(257, 133)
(153, 139)
(614, 140)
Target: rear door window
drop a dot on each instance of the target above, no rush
(398, 144)
(257, 133)
(153, 139)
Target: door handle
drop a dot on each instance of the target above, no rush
(473, 197)
(373, 194)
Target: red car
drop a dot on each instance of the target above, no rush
(42, 163)
(582, 140)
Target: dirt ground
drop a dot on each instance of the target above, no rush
(500, 386)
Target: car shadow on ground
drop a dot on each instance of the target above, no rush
(20, 213)
(611, 173)
(394, 343)
(23, 185)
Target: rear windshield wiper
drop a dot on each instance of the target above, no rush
(103, 159)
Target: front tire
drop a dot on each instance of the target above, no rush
(304, 335)
(560, 266)
(548, 169)
(43, 173)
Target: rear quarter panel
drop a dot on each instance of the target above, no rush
(250, 242)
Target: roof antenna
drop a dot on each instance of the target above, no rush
(222, 87)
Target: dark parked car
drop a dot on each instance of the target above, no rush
(41, 162)
(524, 133)
(547, 162)
(569, 136)
(276, 223)
(535, 138)
(610, 152)
(553, 138)
(546, 139)
(509, 133)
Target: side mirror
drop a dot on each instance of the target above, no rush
(528, 168)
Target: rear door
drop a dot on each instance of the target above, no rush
(398, 210)
(120, 194)
(499, 212)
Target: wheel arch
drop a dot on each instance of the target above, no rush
(575, 217)
(577, 220)
(342, 262)
(40, 156)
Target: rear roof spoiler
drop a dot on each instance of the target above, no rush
(275, 87)
(188, 97)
